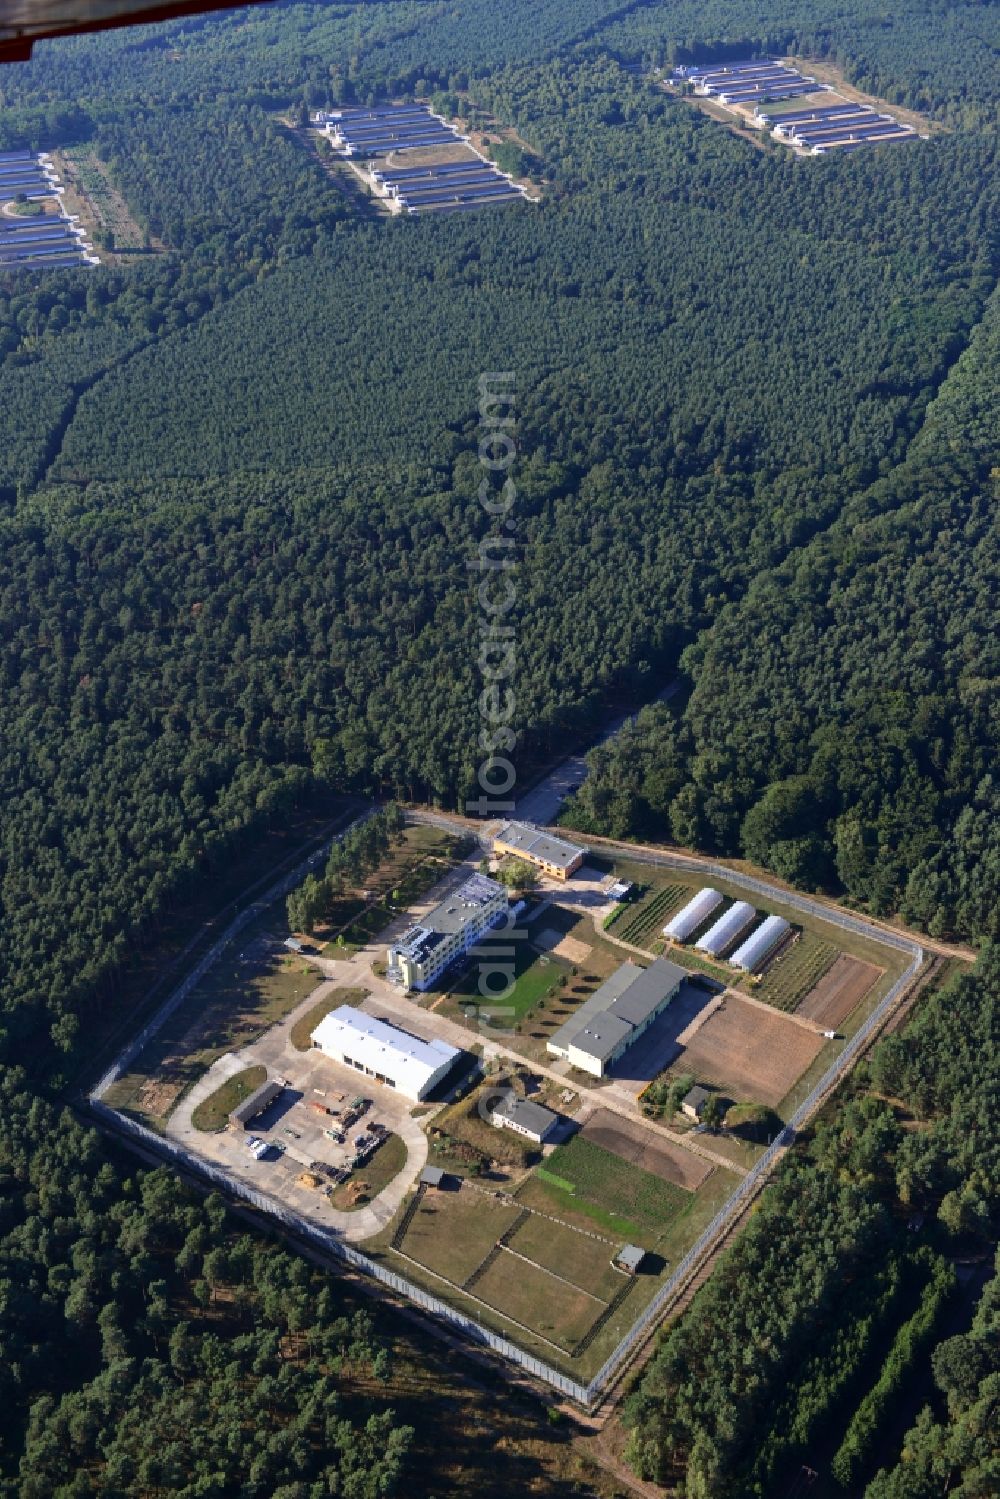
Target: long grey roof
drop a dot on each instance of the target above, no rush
(601, 1035)
(622, 1004)
(257, 1102)
(648, 991)
(596, 1005)
(533, 1116)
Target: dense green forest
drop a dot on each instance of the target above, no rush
(842, 725)
(757, 445)
(750, 1385)
(171, 1327)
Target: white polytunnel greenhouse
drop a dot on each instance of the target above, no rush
(691, 916)
(751, 953)
(724, 932)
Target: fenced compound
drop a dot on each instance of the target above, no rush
(327, 1241)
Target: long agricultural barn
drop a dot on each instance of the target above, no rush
(403, 174)
(464, 184)
(441, 196)
(691, 916)
(843, 127)
(804, 134)
(751, 953)
(384, 1052)
(748, 82)
(783, 122)
(873, 136)
(724, 932)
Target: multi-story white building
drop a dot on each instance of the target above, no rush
(423, 953)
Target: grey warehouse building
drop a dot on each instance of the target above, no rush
(616, 1015)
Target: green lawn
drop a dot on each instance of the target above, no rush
(538, 1300)
(575, 1256)
(212, 1115)
(453, 1232)
(535, 976)
(609, 1190)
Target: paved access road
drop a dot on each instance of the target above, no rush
(544, 801)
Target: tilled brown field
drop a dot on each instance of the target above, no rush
(750, 1052)
(839, 991)
(671, 1163)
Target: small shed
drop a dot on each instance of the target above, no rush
(432, 1176)
(532, 1120)
(621, 890)
(629, 1258)
(693, 1102)
(259, 1100)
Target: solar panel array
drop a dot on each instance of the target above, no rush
(748, 82)
(445, 186)
(44, 241)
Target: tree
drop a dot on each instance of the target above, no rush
(713, 1111)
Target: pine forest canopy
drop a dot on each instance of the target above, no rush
(757, 446)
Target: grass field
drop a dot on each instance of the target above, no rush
(384, 1166)
(539, 1300)
(453, 1232)
(795, 970)
(212, 1115)
(536, 976)
(609, 1190)
(578, 1257)
(301, 1034)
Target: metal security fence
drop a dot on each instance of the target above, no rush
(753, 1180)
(327, 1241)
(177, 996)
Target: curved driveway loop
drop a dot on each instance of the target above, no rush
(310, 1075)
